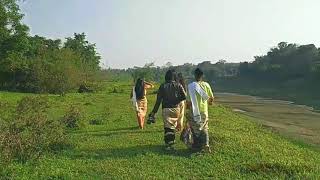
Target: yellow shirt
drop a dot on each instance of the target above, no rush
(203, 105)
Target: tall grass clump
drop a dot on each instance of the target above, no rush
(72, 118)
(29, 132)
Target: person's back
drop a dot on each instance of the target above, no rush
(199, 96)
(203, 104)
(170, 94)
(138, 94)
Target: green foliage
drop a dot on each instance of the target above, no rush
(145, 72)
(87, 52)
(117, 90)
(29, 132)
(286, 72)
(286, 61)
(37, 64)
(95, 121)
(72, 119)
(60, 72)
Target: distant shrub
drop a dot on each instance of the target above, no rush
(96, 121)
(117, 90)
(72, 118)
(99, 119)
(94, 85)
(29, 132)
(107, 112)
(84, 89)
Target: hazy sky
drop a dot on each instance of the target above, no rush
(132, 32)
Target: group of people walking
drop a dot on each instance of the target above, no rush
(178, 100)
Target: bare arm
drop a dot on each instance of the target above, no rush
(210, 93)
(148, 85)
(182, 93)
(158, 102)
(210, 100)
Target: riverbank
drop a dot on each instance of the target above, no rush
(300, 92)
(295, 121)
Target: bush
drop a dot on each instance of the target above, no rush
(72, 118)
(29, 132)
(84, 89)
(60, 73)
(96, 121)
(117, 90)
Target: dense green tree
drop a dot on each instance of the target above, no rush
(38, 64)
(87, 51)
(13, 42)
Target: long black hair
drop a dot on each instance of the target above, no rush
(198, 73)
(139, 88)
(170, 75)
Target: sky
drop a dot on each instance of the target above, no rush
(131, 33)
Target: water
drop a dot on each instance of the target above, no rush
(287, 118)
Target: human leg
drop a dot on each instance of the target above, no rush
(170, 118)
(180, 122)
(142, 106)
(139, 120)
(200, 132)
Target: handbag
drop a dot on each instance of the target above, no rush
(186, 136)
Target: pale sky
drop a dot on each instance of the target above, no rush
(132, 32)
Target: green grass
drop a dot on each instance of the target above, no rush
(117, 149)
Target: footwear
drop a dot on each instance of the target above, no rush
(206, 149)
(169, 148)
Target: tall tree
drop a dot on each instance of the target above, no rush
(88, 52)
(13, 41)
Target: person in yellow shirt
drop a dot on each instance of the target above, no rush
(199, 97)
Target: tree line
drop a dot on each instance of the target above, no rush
(41, 65)
(38, 64)
(287, 71)
(284, 62)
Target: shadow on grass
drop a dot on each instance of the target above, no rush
(128, 152)
(275, 168)
(122, 132)
(125, 129)
(115, 131)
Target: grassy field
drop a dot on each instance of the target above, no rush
(117, 149)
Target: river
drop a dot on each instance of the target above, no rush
(296, 121)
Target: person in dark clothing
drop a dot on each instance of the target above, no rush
(170, 94)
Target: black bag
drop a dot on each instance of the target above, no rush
(186, 136)
(151, 119)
